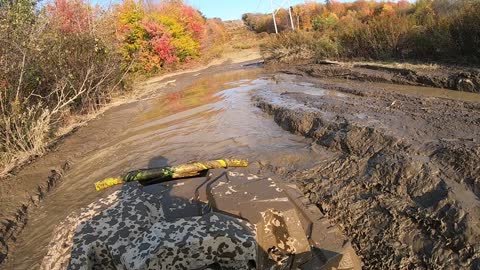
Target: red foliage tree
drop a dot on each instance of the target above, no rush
(164, 48)
(194, 21)
(160, 41)
(71, 16)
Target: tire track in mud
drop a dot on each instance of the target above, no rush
(12, 227)
(403, 204)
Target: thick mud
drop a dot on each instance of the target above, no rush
(454, 78)
(404, 180)
(396, 166)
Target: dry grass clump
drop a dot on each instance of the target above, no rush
(297, 47)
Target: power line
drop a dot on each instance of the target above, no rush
(258, 5)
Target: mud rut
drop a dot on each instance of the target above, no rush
(405, 201)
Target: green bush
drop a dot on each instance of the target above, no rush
(325, 22)
(382, 37)
(430, 42)
(465, 29)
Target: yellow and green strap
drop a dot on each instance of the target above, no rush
(168, 173)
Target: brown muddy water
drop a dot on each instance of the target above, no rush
(199, 116)
(423, 91)
(212, 117)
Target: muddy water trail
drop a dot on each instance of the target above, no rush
(199, 116)
(212, 117)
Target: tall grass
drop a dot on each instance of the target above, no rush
(294, 47)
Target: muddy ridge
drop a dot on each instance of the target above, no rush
(13, 225)
(454, 78)
(405, 183)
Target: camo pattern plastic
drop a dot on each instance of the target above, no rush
(133, 234)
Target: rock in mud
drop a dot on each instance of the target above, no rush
(466, 85)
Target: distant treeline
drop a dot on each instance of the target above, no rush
(434, 30)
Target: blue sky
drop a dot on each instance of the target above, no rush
(233, 9)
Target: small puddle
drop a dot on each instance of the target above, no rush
(431, 92)
(434, 92)
(416, 90)
(310, 89)
(291, 84)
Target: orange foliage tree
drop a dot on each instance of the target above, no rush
(156, 36)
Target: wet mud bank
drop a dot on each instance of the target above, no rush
(404, 183)
(454, 78)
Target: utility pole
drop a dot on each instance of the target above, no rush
(290, 13)
(273, 15)
(298, 20)
(275, 7)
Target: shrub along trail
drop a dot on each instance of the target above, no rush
(404, 180)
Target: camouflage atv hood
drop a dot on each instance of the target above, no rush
(129, 230)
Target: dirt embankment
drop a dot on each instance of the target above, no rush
(404, 183)
(454, 78)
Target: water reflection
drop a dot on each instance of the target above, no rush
(213, 117)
